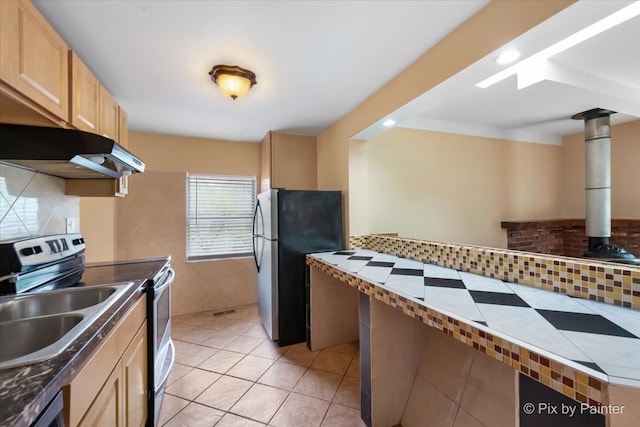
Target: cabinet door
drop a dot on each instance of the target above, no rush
(134, 376)
(95, 395)
(265, 163)
(108, 124)
(123, 132)
(34, 57)
(106, 410)
(85, 96)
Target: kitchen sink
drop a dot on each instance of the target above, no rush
(36, 327)
(54, 302)
(27, 336)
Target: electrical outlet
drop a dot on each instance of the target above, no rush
(71, 225)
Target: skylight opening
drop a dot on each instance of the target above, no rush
(592, 30)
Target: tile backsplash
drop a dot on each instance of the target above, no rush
(33, 204)
(616, 284)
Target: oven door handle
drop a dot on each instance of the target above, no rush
(171, 275)
(166, 373)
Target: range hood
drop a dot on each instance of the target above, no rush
(65, 153)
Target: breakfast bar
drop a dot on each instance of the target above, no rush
(516, 344)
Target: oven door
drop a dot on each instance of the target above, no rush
(161, 349)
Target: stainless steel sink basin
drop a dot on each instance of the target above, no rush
(55, 302)
(27, 336)
(35, 327)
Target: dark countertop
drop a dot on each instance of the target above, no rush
(26, 390)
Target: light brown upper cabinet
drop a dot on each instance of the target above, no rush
(93, 109)
(265, 163)
(33, 57)
(288, 161)
(109, 121)
(123, 123)
(85, 96)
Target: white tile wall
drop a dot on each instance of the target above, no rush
(33, 204)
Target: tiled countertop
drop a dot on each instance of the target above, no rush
(594, 338)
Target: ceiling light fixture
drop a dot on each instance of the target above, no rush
(232, 80)
(592, 30)
(389, 123)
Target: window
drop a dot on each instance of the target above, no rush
(219, 216)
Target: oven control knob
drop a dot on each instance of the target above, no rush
(77, 242)
(30, 251)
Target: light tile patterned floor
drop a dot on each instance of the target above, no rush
(228, 373)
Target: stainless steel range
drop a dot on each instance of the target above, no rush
(161, 349)
(47, 263)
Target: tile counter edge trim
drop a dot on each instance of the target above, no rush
(564, 379)
(615, 284)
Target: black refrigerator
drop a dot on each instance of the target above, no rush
(287, 225)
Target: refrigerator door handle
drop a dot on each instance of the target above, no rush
(255, 254)
(253, 232)
(255, 218)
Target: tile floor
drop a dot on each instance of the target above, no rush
(228, 373)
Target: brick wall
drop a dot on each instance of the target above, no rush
(567, 237)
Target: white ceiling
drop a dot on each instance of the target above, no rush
(603, 71)
(314, 60)
(317, 60)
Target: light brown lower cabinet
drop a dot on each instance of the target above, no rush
(134, 380)
(106, 410)
(111, 388)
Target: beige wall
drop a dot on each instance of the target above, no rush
(420, 373)
(625, 173)
(448, 187)
(151, 220)
(457, 188)
(293, 162)
(493, 26)
(197, 155)
(160, 153)
(98, 227)
(359, 188)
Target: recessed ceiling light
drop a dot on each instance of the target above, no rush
(389, 123)
(592, 30)
(508, 56)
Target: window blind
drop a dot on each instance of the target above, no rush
(219, 216)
